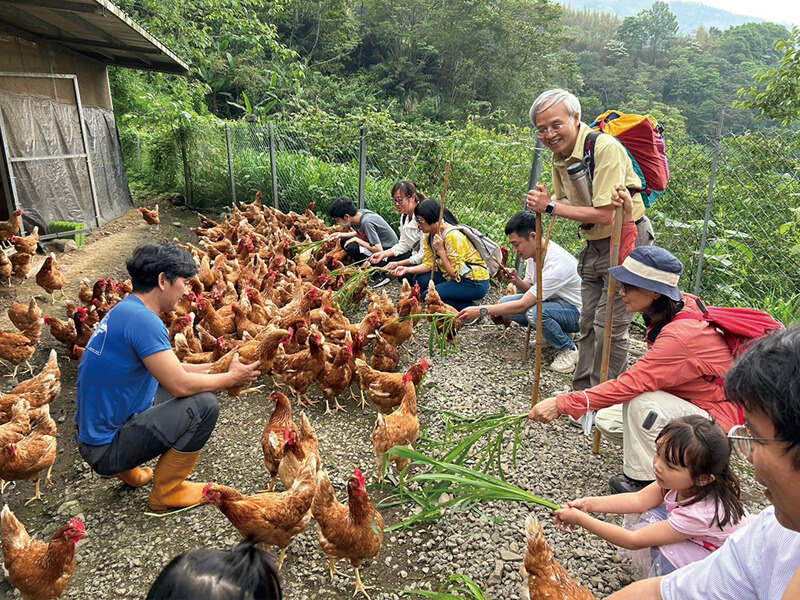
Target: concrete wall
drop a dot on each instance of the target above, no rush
(20, 55)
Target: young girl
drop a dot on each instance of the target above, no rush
(687, 513)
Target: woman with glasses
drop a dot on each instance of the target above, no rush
(458, 270)
(680, 374)
(408, 250)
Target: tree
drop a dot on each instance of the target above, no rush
(778, 99)
(651, 33)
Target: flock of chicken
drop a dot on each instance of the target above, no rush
(265, 288)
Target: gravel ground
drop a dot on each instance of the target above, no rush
(126, 550)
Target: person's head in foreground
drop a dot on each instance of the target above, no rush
(648, 280)
(246, 572)
(765, 381)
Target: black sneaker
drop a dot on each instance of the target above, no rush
(622, 484)
(379, 280)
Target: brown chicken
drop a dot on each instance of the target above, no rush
(63, 331)
(276, 432)
(336, 377)
(503, 321)
(399, 331)
(216, 323)
(21, 265)
(18, 348)
(547, 580)
(27, 458)
(401, 428)
(44, 386)
(10, 227)
(385, 356)
(300, 370)
(296, 450)
(387, 390)
(434, 304)
(39, 571)
(353, 532)
(270, 518)
(18, 424)
(6, 269)
(150, 216)
(23, 316)
(50, 278)
(27, 244)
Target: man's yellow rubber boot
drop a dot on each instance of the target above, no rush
(170, 488)
(136, 477)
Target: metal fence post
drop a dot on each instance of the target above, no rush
(536, 174)
(707, 218)
(273, 166)
(230, 161)
(138, 152)
(362, 168)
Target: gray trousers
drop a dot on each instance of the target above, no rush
(593, 264)
(181, 423)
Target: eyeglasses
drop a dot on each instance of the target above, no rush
(741, 441)
(400, 200)
(554, 128)
(627, 287)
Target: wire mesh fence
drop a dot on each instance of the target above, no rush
(752, 231)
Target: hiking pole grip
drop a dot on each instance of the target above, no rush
(616, 236)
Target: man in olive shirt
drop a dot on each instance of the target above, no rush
(556, 115)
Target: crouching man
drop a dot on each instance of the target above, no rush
(135, 400)
(561, 292)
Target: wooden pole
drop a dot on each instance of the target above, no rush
(611, 296)
(444, 194)
(537, 365)
(544, 257)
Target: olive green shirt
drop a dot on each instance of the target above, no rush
(611, 161)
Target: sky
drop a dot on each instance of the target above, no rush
(778, 11)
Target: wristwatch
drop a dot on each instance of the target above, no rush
(550, 207)
(484, 311)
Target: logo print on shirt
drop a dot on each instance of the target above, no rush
(98, 340)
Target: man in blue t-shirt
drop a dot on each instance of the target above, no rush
(136, 401)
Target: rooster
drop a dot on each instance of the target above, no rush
(354, 532)
(269, 518)
(546, 578)
(39, 571)
(151, 216)
(401, 428)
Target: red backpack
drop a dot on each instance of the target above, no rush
(738, 326)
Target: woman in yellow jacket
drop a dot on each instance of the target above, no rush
(459, 273)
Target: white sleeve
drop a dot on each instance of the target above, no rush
(756, 562)
(554, 273)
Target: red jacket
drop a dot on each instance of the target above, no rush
(684, 352)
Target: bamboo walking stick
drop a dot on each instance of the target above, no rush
(544, 257)
(611, 296)
(537, 364)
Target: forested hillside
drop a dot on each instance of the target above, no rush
(434, 62)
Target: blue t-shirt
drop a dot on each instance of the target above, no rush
(113, 382)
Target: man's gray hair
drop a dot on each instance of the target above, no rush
(550, 98)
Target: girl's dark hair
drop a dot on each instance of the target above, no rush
(429, 209)
(150, 260)
(408, 188)
(244, 573)
(700, 445)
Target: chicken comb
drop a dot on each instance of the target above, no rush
(407, 377)
(77, 525)
(207, 488)
(424, 364)
(361, 481)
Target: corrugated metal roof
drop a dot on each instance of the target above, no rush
(95, 28)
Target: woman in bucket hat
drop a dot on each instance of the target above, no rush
(676, 376)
